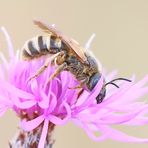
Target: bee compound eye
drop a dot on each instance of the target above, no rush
(94, 80)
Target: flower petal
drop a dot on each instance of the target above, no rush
(32, 124)
(120, 136)
(44, 103)
(10, 46)
(57, 120)
(44, 134)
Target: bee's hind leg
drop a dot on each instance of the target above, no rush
(47, 62)
(57, 71)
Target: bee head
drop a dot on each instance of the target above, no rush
(101, 95)
(92, 83)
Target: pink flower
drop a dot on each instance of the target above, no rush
(37, 102)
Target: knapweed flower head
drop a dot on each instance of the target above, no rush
(38, 103)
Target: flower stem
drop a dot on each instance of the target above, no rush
(31, 139)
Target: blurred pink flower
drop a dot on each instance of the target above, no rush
(37, 102)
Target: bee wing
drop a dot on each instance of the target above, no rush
(71, 43)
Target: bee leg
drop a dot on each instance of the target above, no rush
(80, 92)
(57, 71)
(82, 83)
(41, 69)
(47, 62)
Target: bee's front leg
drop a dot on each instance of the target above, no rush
(82, 83)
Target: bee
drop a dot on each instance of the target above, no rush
(68, 55)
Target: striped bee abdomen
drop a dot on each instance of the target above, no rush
(41, 45)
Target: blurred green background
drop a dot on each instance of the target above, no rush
(121, 43)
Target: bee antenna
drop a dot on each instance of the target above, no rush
(112, 84)
(123, 79)
(88, 43)
(117, 79)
